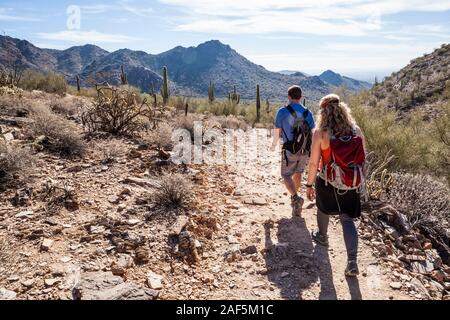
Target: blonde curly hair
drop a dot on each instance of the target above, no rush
(335, 116)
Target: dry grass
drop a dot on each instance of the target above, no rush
(67, 106)
(423, 198)
(174, 193)
(58, 135)
(15, 162)
(161, 137)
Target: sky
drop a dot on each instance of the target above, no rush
(358, 38)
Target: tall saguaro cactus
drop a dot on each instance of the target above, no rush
(123, 76)
(165, 91)
(258, 104)
(78, 83)
(211, 92)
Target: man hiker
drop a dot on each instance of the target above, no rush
(294, 123)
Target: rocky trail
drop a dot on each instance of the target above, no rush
(87, 228)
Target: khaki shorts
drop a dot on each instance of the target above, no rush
(296, 163)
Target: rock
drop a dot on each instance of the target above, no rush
(46, 244)
(179, 225)
(13, 278)
(233, 253)
(106, 286)
(140, 182)
(113, 199)
(133, 222)
(58, 270)
(427, 246)
(420, 288)
(232, 240)
(22, 197)
(27, 283)
(447, 286)
(8, 136)
(422, 267)
(284, 274)
(438, 276)
(259, 201)
(154, 281)
(24, 214)
(74, 169)
(51, 282)
(7, 294)
(125, 192)
(436, 289)
(395, 285)
(123, 262)
(142, 255)
(250, 250)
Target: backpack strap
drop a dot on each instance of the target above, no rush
(291, 111)
(306, 114)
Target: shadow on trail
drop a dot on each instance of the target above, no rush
(289, 257)
(294, 263)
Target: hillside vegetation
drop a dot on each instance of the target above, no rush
(423, 84)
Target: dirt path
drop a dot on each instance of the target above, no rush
(291, 266)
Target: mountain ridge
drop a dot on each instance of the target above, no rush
(191, 69)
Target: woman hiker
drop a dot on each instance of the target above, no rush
(338, 154)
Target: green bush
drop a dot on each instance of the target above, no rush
(49, 82)
(418, 146)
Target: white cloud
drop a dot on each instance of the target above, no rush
(345, 57)
(5, 15)
(86, 37)
(121, 6)
(318, 17)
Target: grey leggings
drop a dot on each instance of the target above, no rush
(350, 232)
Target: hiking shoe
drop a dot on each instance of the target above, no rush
(297, 204)
(319, 238)
(352, 269)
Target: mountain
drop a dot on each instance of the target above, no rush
(337, 80)
(291, 72)
(425, 83)
(73, 60)
(190, 69)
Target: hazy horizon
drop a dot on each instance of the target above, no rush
(357, 38)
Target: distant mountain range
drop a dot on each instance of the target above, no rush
(190, 69)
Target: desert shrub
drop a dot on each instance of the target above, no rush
(14, 161)
(49, 82)
(161, 137)
(57, 135)
(174, 193)
(426, 203)
(117, 112)
(414, 143)
(67, 106)
(110, 151)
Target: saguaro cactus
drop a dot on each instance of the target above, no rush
(211, 93)
(165, 91)
(78, 83)
(258, 104)
(123, 76)
(234, 96)
(267, 105)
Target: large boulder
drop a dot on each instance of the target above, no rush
(106, 286)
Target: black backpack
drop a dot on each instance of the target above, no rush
(301, 131)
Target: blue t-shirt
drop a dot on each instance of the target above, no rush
(284, 120)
